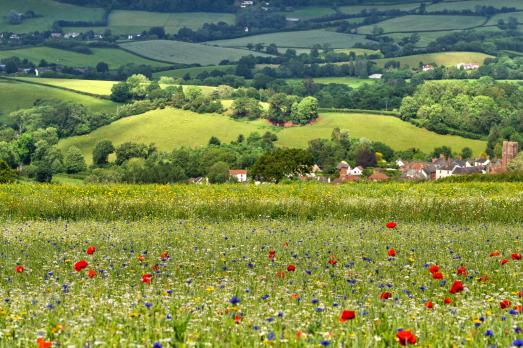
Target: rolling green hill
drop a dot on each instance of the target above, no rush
(171, 128)
(442, 58)
(18, 95)
(179, 73)
(184, 52)
(48, 11)
(113, 56)
(296, 39)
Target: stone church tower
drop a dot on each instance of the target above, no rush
(510, 150)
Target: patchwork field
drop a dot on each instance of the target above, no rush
(471, 5)
(505, 16)
(422, 23)
(186, 53)
(171, 128)
(18, 95)
(112, 56)
(443, 58)
(49, 12)
(296, 39)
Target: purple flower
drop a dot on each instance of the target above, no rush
(234, 300)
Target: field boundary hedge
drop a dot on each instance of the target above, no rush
(362, 111)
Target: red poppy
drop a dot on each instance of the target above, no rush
(391, 252)
(291, 268)
(385, 295)
(19, 269)
(495, 253)
(43, 343)
(429, 304)
(433, 269)
(437, 275)
(347, 315)
(447, 300)
(504, 304)
(457, 286)
(332, 261)
(146, 278)
(483, 278)
(391, 224)
(91, 250)
(461, 271)
(237, 319)
(405, 337)
(91, 273)
(80, 265)
(503, 262)
(520, 293)
(272, 253)
(295, 296)
(516, 257)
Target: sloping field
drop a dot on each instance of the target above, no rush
(416, 23)
(441, 58)
(297, 39)
(113, 56)
(48, 12)
(186, 53)
(18, 95)
(134, 22)
(171, 128)
(471, 5)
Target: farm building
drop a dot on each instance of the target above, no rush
(239, 174)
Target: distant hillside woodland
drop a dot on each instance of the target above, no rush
(200, 5)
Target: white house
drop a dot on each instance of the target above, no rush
(400, 163)
(376, 76)
(467, 66)
(239, 174)
(428, 67)
(358, 171)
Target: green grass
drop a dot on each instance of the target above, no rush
(170, 128)
(494, 19)
(471, 5)
(309, 12)
(112, 56)
(416, 23)
(442, 58)
(355, 9)
(179, 73)
(349, 81)
(50, 11)
(18, 95)
(185, 53)
(296, 39)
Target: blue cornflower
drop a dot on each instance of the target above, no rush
(271, 336)
(314, 301)
(489, 333)
(264, 297)
(325, 343)
(234, 300)
(148, 304)
(157, 345)
(517, 343)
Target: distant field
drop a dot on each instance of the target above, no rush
(494, 19)
(297, 39)
(358, 8)
(179, 73)
(442, 58)
(102, 88)
(184, 52)
(50, 11)
(471, 5)
(422, 23)
(19, 95)
(112, 56)
(170, 128)
(425, 38)
(310, 12)
(349, 81)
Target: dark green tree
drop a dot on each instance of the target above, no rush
(101, 152)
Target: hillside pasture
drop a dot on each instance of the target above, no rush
(472, 4)
(48, 12)
(172, 128)
(309, 12)
(296, 39)
(416, 23)
(179, 73)
(505, 16)
(16, 95)
(349, 81)
(114, 57)
(441, 58)
(186, 53)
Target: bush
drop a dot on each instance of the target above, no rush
(7, 175)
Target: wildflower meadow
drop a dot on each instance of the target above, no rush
(291, 281)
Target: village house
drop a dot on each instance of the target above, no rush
(428, 67)
(376, 76)
(378, 176)
(240, 175)
(467, 66)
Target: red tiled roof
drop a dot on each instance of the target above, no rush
(237, 172)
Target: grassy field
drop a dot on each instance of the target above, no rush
(296, 39)
(170, 128)
(442, 58)
(186, 53)
(50, 11)
(349, 81)
(471, 5)
(179, 73)
(18, 95)
(112, 56)
(422, 23)
(355, 9)
(505, 16)
(309, 12)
